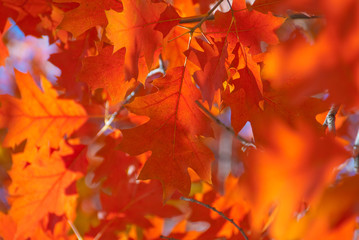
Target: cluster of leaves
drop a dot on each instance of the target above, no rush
(230, 103)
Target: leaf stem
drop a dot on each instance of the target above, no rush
(219, 212)
(229, 129)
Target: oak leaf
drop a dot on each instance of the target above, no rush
(7, 227)
(214, 72)
(273, 173)
(40, 185)
(169, 18)
(248, 27)
(69, 61)
(106, 71)
(172, 133)
(40, 117)
(333, 216)
(245, 99)
(125, 200)
(134, 29)
(89, 14)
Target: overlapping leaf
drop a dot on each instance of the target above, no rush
(172, 134)
(89, 14)
(245, 99)
(248, 27)
(294, 158)
(41, 181)
(38, 117)
(106, 71)
(214, 72)
(134, 29)
(125, 200)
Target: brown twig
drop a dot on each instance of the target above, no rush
(169, 238)
(303, 16)
(195, 19)
(215, 210)
(229, 129)
(330, 119)
(108, 121)
(112, 117)
(201, 19)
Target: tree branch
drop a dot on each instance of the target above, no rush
(330, 119)
(108, 121)
(199, 18)
(229, 129)
(215, 210)
(303, 16)
(169, 238)
(195, 19)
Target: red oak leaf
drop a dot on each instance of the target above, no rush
(172, 133)
(89, 14)
(290, 152)
(134, 29)
(40, 117)
(125, 200)
(334, 216)
(7, 227)
(40, 179)
(169, 18)
(249, 27)
(245, 99)
(69, 61)
(214, 72)
(106, 71)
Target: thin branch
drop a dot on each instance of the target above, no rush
(215, 210)
(169, 238)
(209, 13)
(195, 19)
(74, 229)
(303, 16)
(229, 129)
(356, 152)
(330, 119)
(203, 18)
(112, 117)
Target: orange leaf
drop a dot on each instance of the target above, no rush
(89, 14)
(251, 27)
(7, 227)
(39, 116)
(106, 71)
(295, 158)
(169, 18)
(245, 99)
(333, 216)
(125, 200)
(40, 185)
(211, 78)
(134, 29)
(172, 133)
